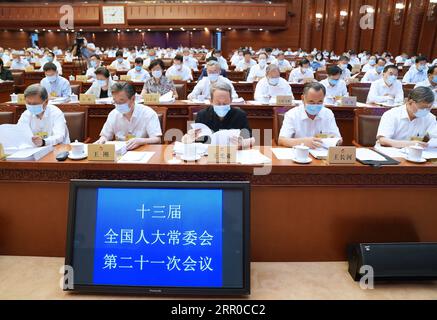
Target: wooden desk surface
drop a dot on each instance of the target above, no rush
(38, 278)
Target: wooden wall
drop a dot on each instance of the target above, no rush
(413, 32)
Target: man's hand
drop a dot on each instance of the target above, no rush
(37, 141)
(102, 140)
(313, 143)
(134, 143)
(191, 136)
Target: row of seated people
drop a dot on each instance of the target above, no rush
(307, 124)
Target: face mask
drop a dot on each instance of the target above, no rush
(122, 108)
(390, 80)
(51, 78)
(262, 63)
(1, 54)
(50, 59)
(213, 77)
(434, 79)
(422, 113)
(273, 81)
(372, 62)
(120, 60)
(93, 64)
(34, 109)
(333, 82)
(421, 68)
(178, 67)
(379, 69)
(157, 73)
(152, 58)
(313, 109)
(222, 111)
(101, 83)
(138, 68)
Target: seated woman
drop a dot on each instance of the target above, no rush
(158, 83)
(101, 88)
(220, 116)
(5, 74)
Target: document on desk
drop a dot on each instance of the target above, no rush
(167, 98)
(30, 154)
(205, 131)
(252, 157)
(330, 142)
(108, 100)
(391, 152)
(320, 153)
(369, 155)
(224, 137)
(432, 143)
(136, 157)
(201, 149)
(430, 153)
(15, 137)
(283, 153)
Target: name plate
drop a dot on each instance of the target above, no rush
(21, 99)
(222, 154)
(87, 98)
(284, 100)
(37, 64)
(81, 78)
(342, 155)
(125, 77)
(151, 98)
(2, 152)
(353, 80)
(177, 78)
(349, 101)
(356, 68)
(29, 69)
(101, 152)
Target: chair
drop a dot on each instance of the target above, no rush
(6, 117)
(359, 90)
(18, 77)
(162, 116)
(278, 120)
(407, 89)
(193, 111)
(321, 75)
(77, 122)
(366, 123)
(76, 89)
(181, 89)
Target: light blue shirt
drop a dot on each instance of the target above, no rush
(415, 76)
(61, 87)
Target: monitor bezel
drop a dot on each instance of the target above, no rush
(165, 291)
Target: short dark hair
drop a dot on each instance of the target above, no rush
(50, 66)
(380, 59)
(139, 60)
(432, 69)
(334, 70)
(103, 71)
(179, 58)
(119, 53)
(247, 52)
(422, 94)
(421, 58)
(391, 66)
(212, 58)
(315, 86)
(156, 62)
(344, 58)
(303, 61)
(123, 86)
(96, 56)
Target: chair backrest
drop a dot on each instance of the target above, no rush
(278, 120)
(366, 123)
(359, 90)
(76, 89)
(181, 89)
(77, 121)
(162, 116)
(193, 111)
(18, 77)
(6, 117)
(407, 89)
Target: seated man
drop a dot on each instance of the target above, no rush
(203, 74)
(95, 63)
(431, 82)
(283, 64)
(376, 73)
(335, 87)
(388, 89)
(304, 71)
(417, 72)
(343, 64)
(258, 71)
(272, 85)
(55, 85)
(138, 73)
(409, 124)
(203, 87)
(46, 121)
(309, 123)
(246, 63)
(18, 63)
(220, 116)
(131, 122)
(223, 63)
(120, 64)
(50, 57)
(178, 70)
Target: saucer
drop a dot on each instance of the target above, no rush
(423, 160)
(307, 161)
(77, 157)
(194, 158)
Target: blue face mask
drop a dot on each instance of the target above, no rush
(122, 108)
(422, 113)
(35, 109)
(372, 62)
(333, 82)
(52, 78)
(93, 64)
(222, 111)
(434, 79)
(379, 69)
(101, 83)
(120, 60)
(138, 68)
(213, 77)
(313, 109)
(421, 68)
(273, 81)
(50, 59)
(391, 79)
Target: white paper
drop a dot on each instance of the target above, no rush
(205, 131)
(108, 100)
(283, 153)
(30, 154)
(430, 153)
(223, 137)
(206, 101)
(369, 155)
(120, 147)
(432, 143)
(166, 98)
(330, 142)
(238, 100)
(319, 153)
(136, 157)
(391, 152)
(252, 157)
(201, 149)
(16, 137)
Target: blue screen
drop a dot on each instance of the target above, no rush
(158, 237)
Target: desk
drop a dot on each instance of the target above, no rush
(36, 278)
(298, 213)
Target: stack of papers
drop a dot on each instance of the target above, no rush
(201, 149)
(197, 101)
(369, 155)
(31, 154)
(120, 147)
(136, 157)
(15, 137)
(238, 100)
(391, 152)
(219, 138)
(330, 142)
(283, 153)
(167, 98)
(252, 157)
(108, 100)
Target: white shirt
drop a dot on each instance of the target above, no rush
(223, 63)
(256, 72)
(283, 65)
(139, 76)
(190, 62)
(53, 123)
(19, 65)
(59, 88)
(123, 66)
(143, 124)
(91, 73)
(346, 74)
(236, 59)
(414, 76)
(379, 89)
(339, 90)
(396, 124)
(243, 65)
(367, 67)
(371, 76)
(426, 83)
(264, 91)
(297, 76)
(298, 125)
(184, 72)
(203, 87)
